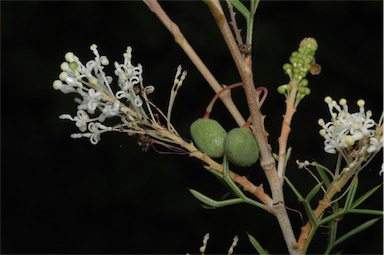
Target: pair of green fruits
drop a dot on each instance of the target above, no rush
(239, 145)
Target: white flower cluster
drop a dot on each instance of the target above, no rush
(97, 98)
(350, 130)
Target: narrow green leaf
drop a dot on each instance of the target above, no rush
(297, 193)
(307, 205)
(334, 216)
(309, 211)
(214, 203)
(240, 7)
(323, 175)
(232, 185)
(203, 198)
(351, 193)
(305, 202)
(313, 192)
(254, 5)
(213, 171)
(356, 230)
(288, 156)
(257, 245)
(332, 225)
(367, 211)
(333, 232)
(342, 212)
(250, 21)
(258, 204)
(365, 196)
(232, 201)
(205, 206)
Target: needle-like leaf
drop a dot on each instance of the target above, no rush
(353, 232)
(214, 203)
(240, 7)
(351, 193)
(365, 196)
(297, 193)
(313, 192)
(323, 175)
(257, 245)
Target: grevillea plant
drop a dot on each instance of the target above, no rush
(122, 104)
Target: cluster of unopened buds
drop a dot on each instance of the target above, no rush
(300, 63)
(351, 133)
(128, 110)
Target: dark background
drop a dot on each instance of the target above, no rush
(60, 195)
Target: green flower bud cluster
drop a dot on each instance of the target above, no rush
(300, 63)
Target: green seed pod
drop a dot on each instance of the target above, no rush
(208, 136)
(240, 147)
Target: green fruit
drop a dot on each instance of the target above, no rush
(208, 136)
(240, 147)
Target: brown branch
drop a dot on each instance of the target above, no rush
(325, 202)
(236, 30)
(183, 43)
(267, 161)
(286, 129)
(248, 186)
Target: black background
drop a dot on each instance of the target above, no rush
(61, 195)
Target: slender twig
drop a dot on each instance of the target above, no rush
(257, 191)
(267, 161)
(325, 202)
(286, 129)
(236, 30)
(182, 41)
(248, 186)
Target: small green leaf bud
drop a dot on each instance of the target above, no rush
(294, 54)
(309, 43)
(287, 66)
(301, 90)
(293, 60)
(282, 89)
(299, 96)
(303, 83)
(307, 91)
(289, 72)
(300, 62)
(308, 59)
(302, 50)
(302, 74)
